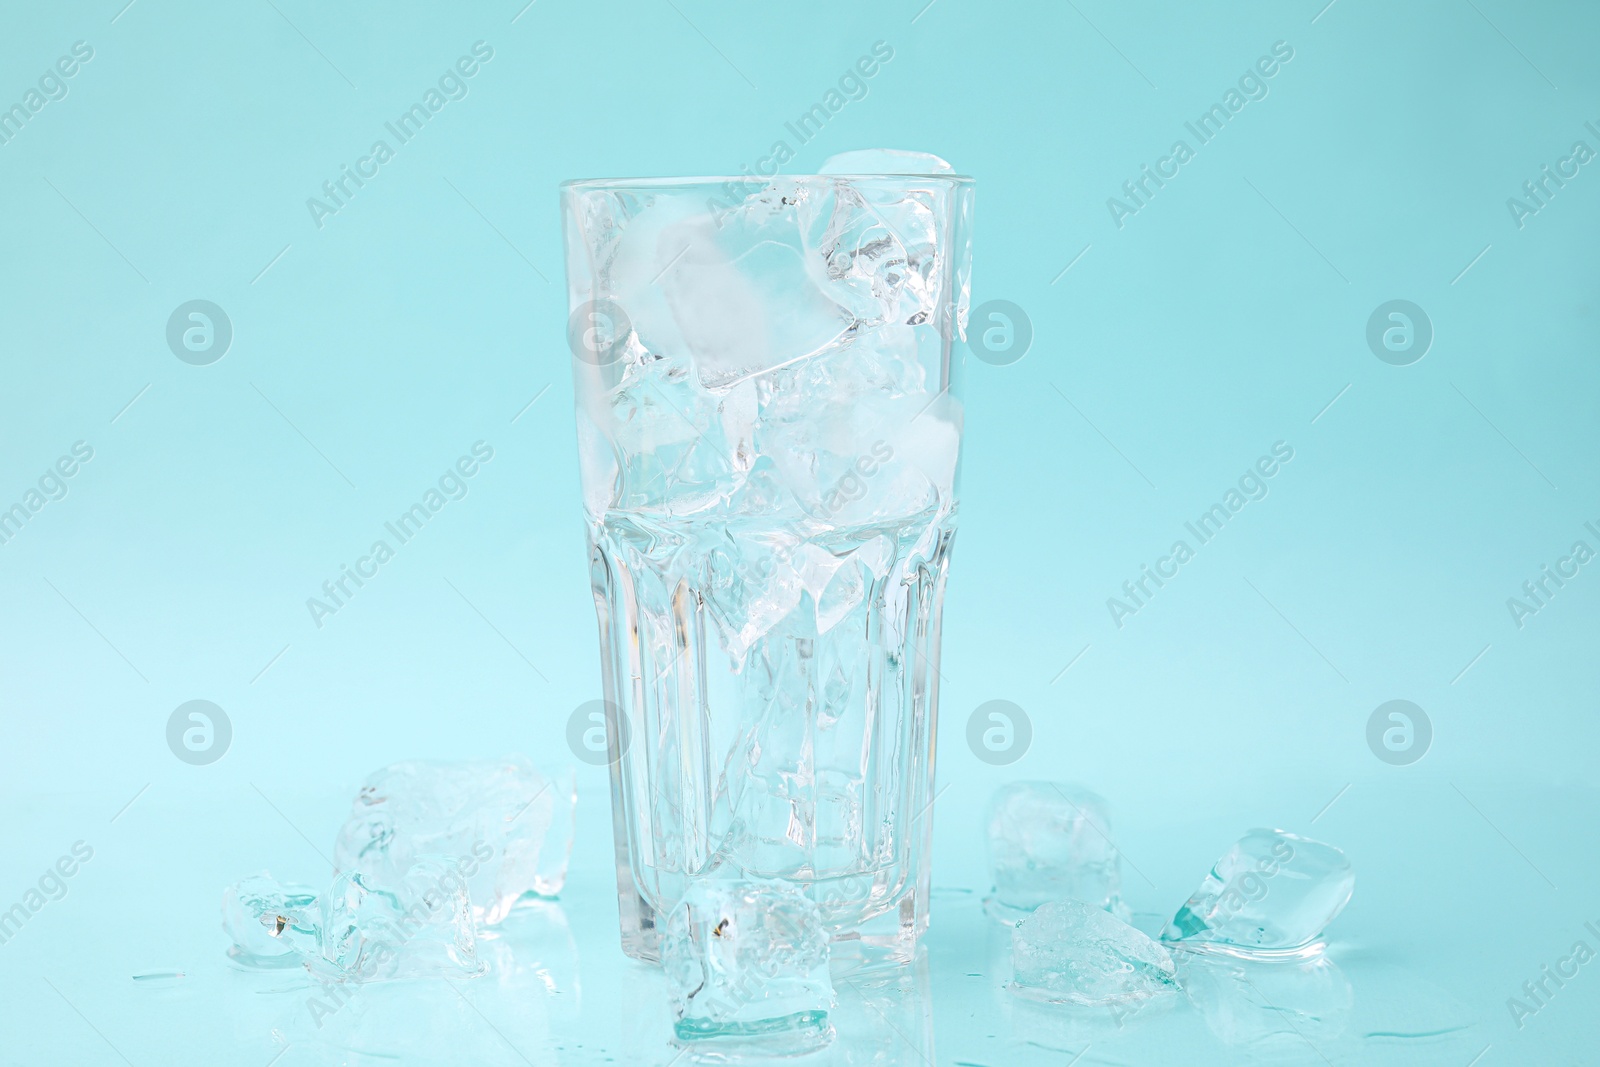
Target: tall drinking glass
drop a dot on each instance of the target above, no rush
(769, 423)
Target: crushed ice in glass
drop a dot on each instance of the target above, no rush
(769, 476)
(1050, 841)
(508, 826)
(270, 924)
(749, 960)
(1272, 894)
(1069, 952)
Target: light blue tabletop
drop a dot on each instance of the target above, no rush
(1374, 252)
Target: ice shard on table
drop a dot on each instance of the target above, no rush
(271, 924)
(1050, 841)
(1069, 952)
(508, 826)
(747, 961)
(1272, 894)
(419, 925)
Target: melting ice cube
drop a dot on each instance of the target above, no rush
(1068, 952)
(417, 925)
(1050, 841)
(1273, 893)
(508, 827)
(748, 961)
(270, 924)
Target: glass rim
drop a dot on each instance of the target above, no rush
(743, 179)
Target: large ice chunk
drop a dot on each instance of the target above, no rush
(748, 962)
(508, 827)
(1050, 841)
(731, 292)
(270, 924)
(418, 925)
(1273, 893)
(1068, 952)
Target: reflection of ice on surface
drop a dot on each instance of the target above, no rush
(531, 993)
(1284, 1003)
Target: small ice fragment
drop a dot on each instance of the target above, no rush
(748, 961)
(884, 161)
(508, 827)
(1272, 894)
(1050, 841)
(417, 926)
(1068, 952)
(270, 924)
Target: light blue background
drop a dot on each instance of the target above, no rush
(1226, 315)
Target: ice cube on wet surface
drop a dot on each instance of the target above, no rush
(1050, 841)
(508, 826)
(1069, 952)
(271, 924)
(418, 925)
(747, 961)
(1272, 894)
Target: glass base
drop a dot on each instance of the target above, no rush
(882, 943)
(788, 1035)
